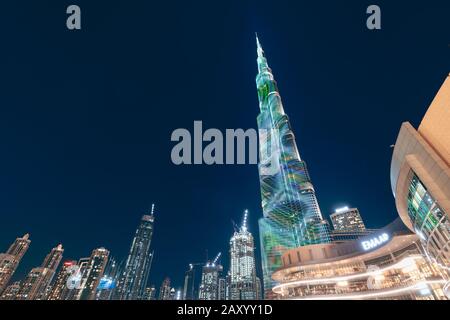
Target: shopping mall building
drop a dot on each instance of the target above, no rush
(387, 264)
(408, 259)
(420, 177)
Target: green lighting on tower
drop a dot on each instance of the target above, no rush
(291, 212)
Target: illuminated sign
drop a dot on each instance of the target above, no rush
(375, 241)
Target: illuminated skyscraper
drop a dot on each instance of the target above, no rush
(36, 284)
(11, 259)
(150, 293)
(222, 295)
(60, 290)
(189, 284)
(291, 212)
(93, 273)
(11, 292)
(209, 286)
(242, 264)
(109, 281)
(137, 267)
(164, 290)
(345, 219)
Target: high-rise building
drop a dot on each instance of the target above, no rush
(137, 267)
(150, 293)
(92, 273)
(164, 290)
(209, 286)
(222, 295)
(178, 294)
(189, 292)
(228, 286)
(11, 259)
(173, 294)
(242, 264)
(77, 279)
(347, 219)
(259, 293)
(36, 285)
(109, 281)
(11, 292)
(60, 290)
(420, 177)
(292, 216)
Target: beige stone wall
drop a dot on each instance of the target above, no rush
(435, 126)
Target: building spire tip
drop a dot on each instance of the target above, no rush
(259, 49)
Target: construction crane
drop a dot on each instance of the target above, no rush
(217, 258)
(244, 222)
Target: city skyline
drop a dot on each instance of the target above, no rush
(99, 174)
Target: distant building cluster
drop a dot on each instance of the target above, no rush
(97, 277)
(239, 283)
(101, 277)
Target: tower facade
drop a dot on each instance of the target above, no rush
(347, 219)
(11, 259)
(108, 283)
(93, 273)
(139, 261)
(60, 289)
(291, 212)
(209, 286)
(36, 284)
(164, 290)
(242, 264)
(189, 284)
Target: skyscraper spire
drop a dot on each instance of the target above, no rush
(153, 209)
(259, 48)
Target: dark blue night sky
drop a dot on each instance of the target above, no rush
(86, 116)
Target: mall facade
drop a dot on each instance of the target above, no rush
(420, 177)
(387, 264)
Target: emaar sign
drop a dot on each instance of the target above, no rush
(375, 242)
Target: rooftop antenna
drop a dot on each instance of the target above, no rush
(152, 209)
